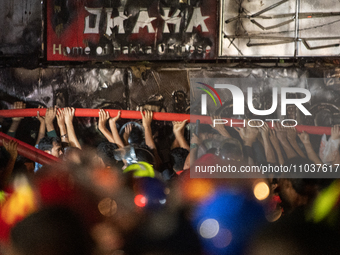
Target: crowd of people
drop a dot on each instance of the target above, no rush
(130, 192)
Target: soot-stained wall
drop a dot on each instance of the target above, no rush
(159, 89)
(21, 27)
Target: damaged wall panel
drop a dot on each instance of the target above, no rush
(75, 87)
(118, 88)
(168, 90)
(287, 28)
(162, 90)
(21, 27)
(132, 88)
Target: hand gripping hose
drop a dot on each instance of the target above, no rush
(161, 116)
(30, 152)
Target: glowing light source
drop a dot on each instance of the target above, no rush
(261, 191)
(199, 189)
(21, 202)
(2, 197)
(325, 202)
(209, 228)
(140, 200)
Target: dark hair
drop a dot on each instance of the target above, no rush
(145, 154)
(136, 136)
(205, 128)
(105, 150)
(178, 157)
(230, 151)
(306, 186)
(46, 143)
(54, 231)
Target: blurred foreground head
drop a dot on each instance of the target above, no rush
(56, 210)
(54, 231)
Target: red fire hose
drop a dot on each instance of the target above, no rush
(29, 151)
(162, 116)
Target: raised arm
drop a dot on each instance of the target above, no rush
(72, 138)
(11, 148)
(127, 131)
(178, 129)
(62, 125)
(42, 128)
(195, 142)
(268, 148)
(248, 134)
(114, 130)
(103, 118)
(50, 115)
(291, 135)
(147, 119)
(16, 121)
(220, 127)
(335, 133)
(276, 144)
(304, 137)
(281, 134)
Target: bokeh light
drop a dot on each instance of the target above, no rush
(223, 239)
(209, 228)
(20, 203)
(261, 190)
(140, 200)
(2, 197)
(199, 189)
(107, 207)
